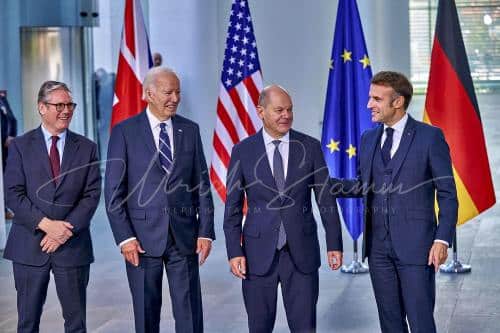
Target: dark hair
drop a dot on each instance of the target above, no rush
(50, 86)
(396, 81)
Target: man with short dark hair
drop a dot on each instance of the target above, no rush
(53, 185)
(404, 166)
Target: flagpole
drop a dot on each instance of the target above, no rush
(356, 266)
(455, 266)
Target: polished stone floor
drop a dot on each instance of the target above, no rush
(465, 303)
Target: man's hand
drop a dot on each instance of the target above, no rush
(438, 255)
(131, 250)
(203, 248)
(49, 245)
(238, 266)
(59, 231)
(334, 259)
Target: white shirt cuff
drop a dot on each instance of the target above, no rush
(126, 241)
(442, 241)
(210, 239)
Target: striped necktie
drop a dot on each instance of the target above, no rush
(165, 149)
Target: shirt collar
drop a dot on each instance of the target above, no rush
(48, 137)
(155, 122)
(269, 139)
(400, 125)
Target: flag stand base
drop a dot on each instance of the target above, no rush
(356, 267)
(455, 266)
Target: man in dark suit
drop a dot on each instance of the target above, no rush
(160, 206)
(276, 170)
(404, 166)
(52, 184)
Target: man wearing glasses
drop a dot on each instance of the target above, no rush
(53, 185)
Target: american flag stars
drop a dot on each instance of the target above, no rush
(240, 59)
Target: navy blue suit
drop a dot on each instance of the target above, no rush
(296, 265)
(166, 213)
(400, 223)
(32, 195)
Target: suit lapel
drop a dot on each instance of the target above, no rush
(366, 171)
(69, 152)
(404, 146)
(177, 133)
(40, 151)
(148, 139)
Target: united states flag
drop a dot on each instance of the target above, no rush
(133, 63)
(241, 83)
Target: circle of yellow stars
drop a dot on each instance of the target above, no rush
(347, 57)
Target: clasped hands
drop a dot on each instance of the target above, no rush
(56, 234)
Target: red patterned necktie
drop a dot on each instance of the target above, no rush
(55, 163)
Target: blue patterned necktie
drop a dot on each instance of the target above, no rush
(279, 178)
(387, 146)
(165, 149)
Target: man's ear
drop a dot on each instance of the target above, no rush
(260, 111)
(398, 102)
(41, 108)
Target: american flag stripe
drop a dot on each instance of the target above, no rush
(241, 82)
(231, 110)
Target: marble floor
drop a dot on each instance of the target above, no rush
(465, 303)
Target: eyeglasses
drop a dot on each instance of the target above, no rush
(60, 106)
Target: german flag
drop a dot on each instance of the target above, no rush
(451, 105)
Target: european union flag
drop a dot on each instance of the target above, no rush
(346, 115)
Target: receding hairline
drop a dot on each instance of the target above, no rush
(264, 94)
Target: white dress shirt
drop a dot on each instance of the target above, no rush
(284, 148)
(60, 143)
(399, 128)
(155, 128)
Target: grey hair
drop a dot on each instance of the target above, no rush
(50, 86)
(152, 74)
(265, 92)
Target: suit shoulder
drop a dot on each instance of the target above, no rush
(26, 137)
(431, 129)
(186, 122)
(83, 139)
(129, 122)
(370, 132)
(248, 142)
(305, 138)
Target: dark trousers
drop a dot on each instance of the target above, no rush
(31, 285)
(402, 291)
(145, 282)
(299, 291)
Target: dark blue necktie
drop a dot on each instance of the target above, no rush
(279, 178)
(165, 149)
(386, 148)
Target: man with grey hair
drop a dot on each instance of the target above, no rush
(53, 185)
(159, 205)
